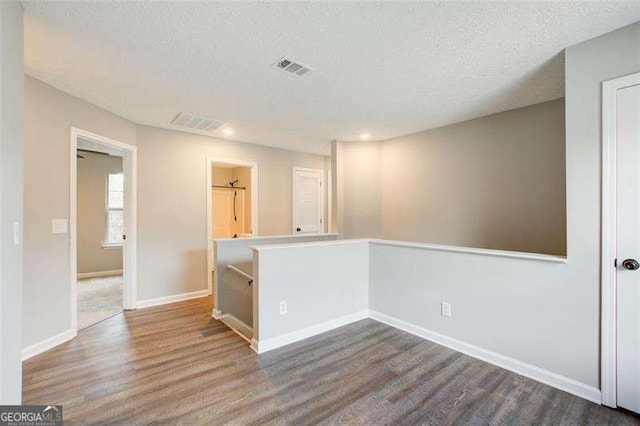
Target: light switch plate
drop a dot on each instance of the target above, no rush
(16, 233)
(59, 226)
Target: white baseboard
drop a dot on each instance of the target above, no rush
(99, 274)
(531, 371)
(235, 324)
(216, 314)
(171, 299)
(47, 344)
(262, 346)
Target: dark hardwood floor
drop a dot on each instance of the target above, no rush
(175, 364)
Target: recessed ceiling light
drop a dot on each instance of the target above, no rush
(364, 136)
(228, 131)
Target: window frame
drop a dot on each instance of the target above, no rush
(106, 244)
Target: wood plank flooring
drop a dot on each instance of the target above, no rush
(174, 364)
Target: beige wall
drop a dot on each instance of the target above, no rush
(495, 182)
(220, 175)
(362, 197)
(172, 236)
(172, 231)
(49, 115)
(92, 215)
(11, 196)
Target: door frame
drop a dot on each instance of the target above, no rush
(294, 197)
(129, 246)
(608, 368)
(254, 210)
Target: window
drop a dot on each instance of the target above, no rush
(115, 205)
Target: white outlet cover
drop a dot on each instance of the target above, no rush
(16, 233)
(445, 309)
(283, 307)
(59, 226)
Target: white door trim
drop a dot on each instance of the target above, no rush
(329, 227)
(254, 212)
(129, 248)
(608, 271)
(294, 194)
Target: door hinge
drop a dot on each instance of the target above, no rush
(124, 237)
(615, 262)
(320, 220)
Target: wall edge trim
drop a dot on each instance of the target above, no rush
(266, 345)
(147, 303)
(99, 274)
(530, 371)
(48, 343)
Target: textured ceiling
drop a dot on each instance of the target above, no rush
(385, 68)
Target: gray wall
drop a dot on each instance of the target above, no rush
(321, 282)
(49, 115)
(495, 182)
(544, 314)
(172, 228)
(92, 214)
(11, 196)
(233, 294)
(524, 309)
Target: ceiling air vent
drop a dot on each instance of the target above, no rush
(291, 67)
(191, 121)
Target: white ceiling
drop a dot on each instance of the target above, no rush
(385, 68)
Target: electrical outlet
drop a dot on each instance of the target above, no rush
(445, 309)
(283, 307)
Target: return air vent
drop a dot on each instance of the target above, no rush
(291, 67)
(191, 121)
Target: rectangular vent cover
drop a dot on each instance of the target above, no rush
(192, 121)
(291, 67)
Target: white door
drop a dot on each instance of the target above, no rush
(628, 247)
(308, 201)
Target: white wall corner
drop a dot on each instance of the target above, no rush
(46, 344)
(266, 345)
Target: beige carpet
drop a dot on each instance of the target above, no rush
(98, 299)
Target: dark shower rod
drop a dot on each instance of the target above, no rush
(229, 187)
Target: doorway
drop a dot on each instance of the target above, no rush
(307, 201)
(102, 228)
(621, 243)
(232, 205)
